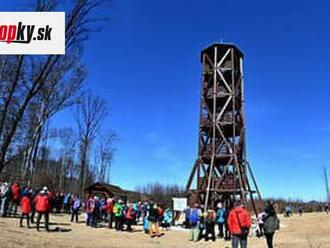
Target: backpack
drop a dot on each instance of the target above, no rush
(220, 216)
(271, 224)
(153, 215)
(115, 209)
(118, 210)
(194, 217)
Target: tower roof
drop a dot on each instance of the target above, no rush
(222, 46)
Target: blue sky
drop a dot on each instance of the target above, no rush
(146, 64)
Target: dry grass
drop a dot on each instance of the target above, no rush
(308, 231)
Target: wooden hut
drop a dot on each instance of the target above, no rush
(112, 191)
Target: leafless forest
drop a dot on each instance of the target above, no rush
(36, 88)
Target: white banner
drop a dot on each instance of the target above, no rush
(179, 204)
(32, 33)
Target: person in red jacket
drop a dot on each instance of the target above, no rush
(15, 197)
(42, 205)
(129, 216)
(25, 209)
(109, 210)
(239, 223)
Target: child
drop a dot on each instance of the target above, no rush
(25, 209)
(260, 221)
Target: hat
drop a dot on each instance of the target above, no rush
(45, 188)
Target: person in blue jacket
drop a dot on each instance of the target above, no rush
(186, 211)
(220, 219)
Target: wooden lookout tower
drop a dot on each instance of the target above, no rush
(221, 171)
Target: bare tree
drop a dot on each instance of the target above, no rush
(89, 116)
(50, 101)
(68, 141)
(161, 193)
(45, 81)
(104, 155)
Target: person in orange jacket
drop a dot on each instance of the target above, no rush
(239, 223)
(42, 205)
(25, 209)
(129, 216)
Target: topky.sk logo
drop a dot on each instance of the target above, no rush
(32, 33)
(21, 33)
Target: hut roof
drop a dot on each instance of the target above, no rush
(107, 188)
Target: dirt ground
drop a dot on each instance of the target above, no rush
(309, 230)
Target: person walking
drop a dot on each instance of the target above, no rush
(25, 209)
(75, 209)
(220, 218)
(271, 223)
(194, 219)
(42, 206)
(239, 223)
(210, 217)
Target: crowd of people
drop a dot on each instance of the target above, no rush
(124, 215)
(97, 209)
(34, 204)
(232, 223)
